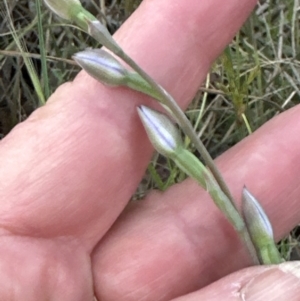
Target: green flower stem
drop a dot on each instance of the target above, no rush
(99, 32)
(166, 139)
(269, 254)
(89, 23)
(234, 217)
(189, 163)
(260, 229)
(168, 101)
(137, 83)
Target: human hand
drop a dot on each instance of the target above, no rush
(69, 170)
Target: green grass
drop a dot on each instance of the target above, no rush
(256, 78)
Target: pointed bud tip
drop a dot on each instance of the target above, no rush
(99, 32)
(161, 131)
(254, 213)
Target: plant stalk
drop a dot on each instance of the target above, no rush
(182, 120)
(168, 102)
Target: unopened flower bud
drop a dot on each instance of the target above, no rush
(64, 8)
(161, 131)
(260, 229)
(101, 65)
(255, 216)
(100, 33)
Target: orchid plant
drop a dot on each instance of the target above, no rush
(253, 225)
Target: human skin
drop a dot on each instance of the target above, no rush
(68, 172)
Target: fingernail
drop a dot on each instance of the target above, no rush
(281, 283)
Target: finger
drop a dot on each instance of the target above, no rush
(41, 269)
(72, 166)
(179, 40)
(176, 242)
(280, 282)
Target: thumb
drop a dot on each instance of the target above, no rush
(280, 282)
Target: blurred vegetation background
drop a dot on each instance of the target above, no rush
(256, 77)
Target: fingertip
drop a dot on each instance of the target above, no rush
(281, 282)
